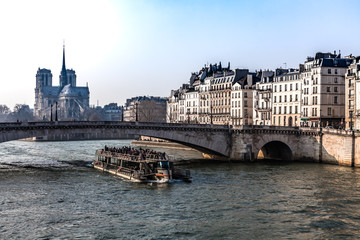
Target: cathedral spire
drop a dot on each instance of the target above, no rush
(63, 64)
(63, 75)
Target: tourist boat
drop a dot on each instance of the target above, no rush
(139, 166)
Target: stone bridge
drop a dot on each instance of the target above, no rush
(246, 143)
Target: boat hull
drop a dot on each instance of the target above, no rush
(129, 177)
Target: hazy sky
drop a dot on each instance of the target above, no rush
(128, 48)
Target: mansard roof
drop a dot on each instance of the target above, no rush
(190, 90)
(248, 80)
(335, 62)
(267, 73)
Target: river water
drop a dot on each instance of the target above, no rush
(49, 191)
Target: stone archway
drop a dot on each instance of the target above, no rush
(275, 150)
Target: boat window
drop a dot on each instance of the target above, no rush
(164, 164)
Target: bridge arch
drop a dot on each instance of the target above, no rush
(276, 150)
(206, 138)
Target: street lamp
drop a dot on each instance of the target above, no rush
(137, 117)
(51, 106)
(56, 115)
(122, 113)
(211, 113)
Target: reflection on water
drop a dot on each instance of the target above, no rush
(49, 191)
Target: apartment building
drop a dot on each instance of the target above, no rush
(352, 95)
(286, 98)
(323, 96)
(242, 100)
(262, 108)
(192, 105)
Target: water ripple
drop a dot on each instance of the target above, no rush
(48, 191)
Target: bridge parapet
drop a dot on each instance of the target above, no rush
(25, 126)
(259, 129)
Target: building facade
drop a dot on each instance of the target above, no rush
(113, 112)
(145, 109)
(262, 109)
(71, 101)
(352, 95)
(286, 98)
(323, 97)
(242, 100)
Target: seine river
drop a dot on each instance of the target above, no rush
(49, 191)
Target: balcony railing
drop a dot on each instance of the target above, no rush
(263, 109)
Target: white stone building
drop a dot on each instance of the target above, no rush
(352, 95)
(286, 98)
(192, 105)
(242, 100)
(263, 99)
(323, 97)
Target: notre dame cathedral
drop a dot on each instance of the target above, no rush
(71, 101)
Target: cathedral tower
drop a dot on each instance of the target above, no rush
(43, 78)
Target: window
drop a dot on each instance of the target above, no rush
(274, 110)
(296, 87)
(336, 80)
(285, 87)
(336, 71)
(351, 104)
(335, 89)
(327, 89)
(335, 100)
(245, 95)
(274, 99)
(290, 98)
(329, 111)
(285, 98)
(290, 109)
(285, 110)
(275, 89)
(296, 109)
(279, 110)
(280, 88)
(290, 87)
(279, 98)
(329, 71)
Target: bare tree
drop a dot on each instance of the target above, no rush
(22, 113)
(93, 114)
(4, 113)
(151, 111)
